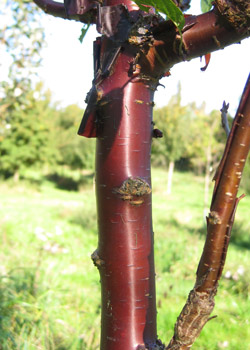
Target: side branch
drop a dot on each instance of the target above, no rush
(51, 7)
(201, 34)
(200, 303)
(79, 10)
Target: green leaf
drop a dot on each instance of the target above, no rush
(84, 32)
(167, 7)
(206, 5)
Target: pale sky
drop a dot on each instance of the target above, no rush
(67, 69)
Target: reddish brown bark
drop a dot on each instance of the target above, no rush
(125, 245)
(201, 35)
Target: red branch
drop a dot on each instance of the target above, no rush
(202, 34)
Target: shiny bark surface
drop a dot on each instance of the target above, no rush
(125, 245)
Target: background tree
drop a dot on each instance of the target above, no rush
(23, 44)
(173, 120)
(206, 146)
(22, 36)
(25, 139)
(75, 152)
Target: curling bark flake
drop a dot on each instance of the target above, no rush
(135, 50)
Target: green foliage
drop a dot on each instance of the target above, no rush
(173, 120)
(36, 135)
(189, 134)
(25, 126)
(208, 139)
(245, 184)
(167, 7)
(76, 152)
(206, 5)
(23, 142)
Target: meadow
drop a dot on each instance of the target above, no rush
(49, 288)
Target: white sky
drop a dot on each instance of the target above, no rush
(67, 69)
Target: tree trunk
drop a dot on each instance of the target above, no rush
(125, 255)
(16, 176)
(170, 176)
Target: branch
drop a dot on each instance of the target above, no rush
(52, 7)
(78, 10)
(201, 34)
(200, 303)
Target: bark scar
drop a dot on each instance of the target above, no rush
(98, 262)
(132, 190)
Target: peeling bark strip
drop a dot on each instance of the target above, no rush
(200, 303)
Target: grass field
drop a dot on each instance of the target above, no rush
(49, 288)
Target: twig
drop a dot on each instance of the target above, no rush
(224, 120)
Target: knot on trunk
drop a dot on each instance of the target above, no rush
(214, 218)
(133, 189)
(98, 262)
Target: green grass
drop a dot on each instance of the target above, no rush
(49, 288)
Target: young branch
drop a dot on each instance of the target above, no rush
(200, 303)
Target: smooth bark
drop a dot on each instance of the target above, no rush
(123, 188)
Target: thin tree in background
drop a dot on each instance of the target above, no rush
(135, 50)
(173, 121)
